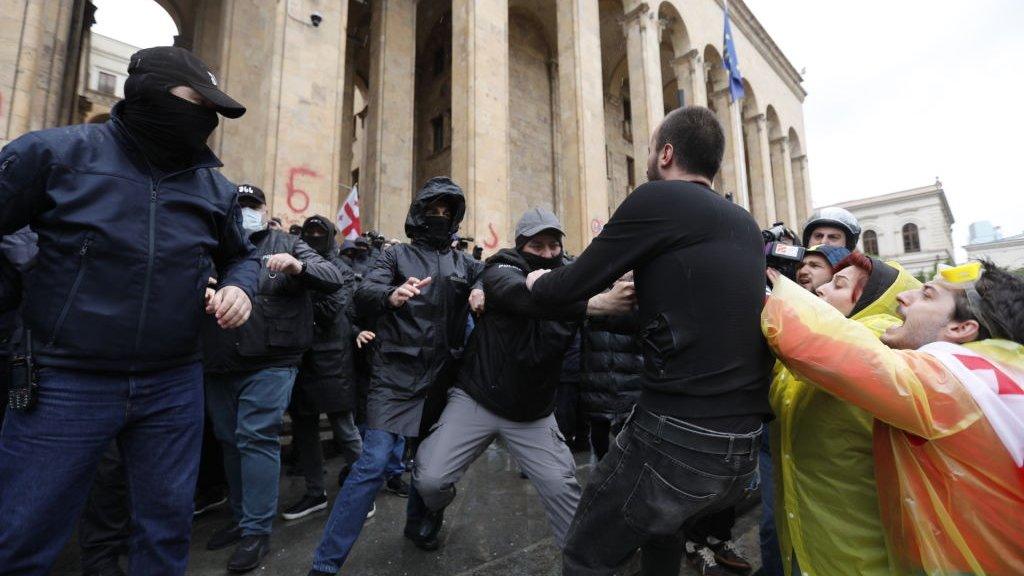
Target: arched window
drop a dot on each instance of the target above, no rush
(911, 241)
(870, 242)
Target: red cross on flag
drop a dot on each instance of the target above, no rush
(348, 216)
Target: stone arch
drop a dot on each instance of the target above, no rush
(782, 170)
(675, 50)
(620, 156)
(432, 132)
(532, 106)
(801, 185)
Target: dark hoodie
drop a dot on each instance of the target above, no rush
(419, 342)
(514, 358)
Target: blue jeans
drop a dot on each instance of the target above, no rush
(48, 458)
(395, 466)
(246, 410)
(771, 555)
(355, 499)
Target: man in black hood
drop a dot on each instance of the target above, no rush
(133, 218)
(326, 381)
(418, 296)
(506, 385)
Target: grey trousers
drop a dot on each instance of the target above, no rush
(466, 429)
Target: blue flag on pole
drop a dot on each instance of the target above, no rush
(732, 62)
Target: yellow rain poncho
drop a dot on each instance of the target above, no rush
(826, 499)
(950, 495)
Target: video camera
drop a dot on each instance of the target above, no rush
(462, 242)
(376, 239)
(782, 249)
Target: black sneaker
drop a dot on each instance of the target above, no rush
(305, 507)
(249, 553)
(397, 486)
(226, 536)
(703, 561)
(208, 500)
(727, 555)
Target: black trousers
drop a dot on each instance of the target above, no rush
(659, 477)
(717, 525)
(306, 437)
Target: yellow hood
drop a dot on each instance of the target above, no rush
(886, 303)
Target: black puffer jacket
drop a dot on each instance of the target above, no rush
(418, 342)
(326, 381)
(514, 359)
(280, 328)
(611, 363)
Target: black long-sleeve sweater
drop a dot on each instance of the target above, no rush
(699, 268)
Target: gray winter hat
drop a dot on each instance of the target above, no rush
(535, 221)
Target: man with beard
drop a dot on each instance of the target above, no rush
(326, 381)
(506, 386)
(945, 389)
(418, 295)
(132, 219)
(690, 447)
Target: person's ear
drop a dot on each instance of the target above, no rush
(961, 332)
(666, 156)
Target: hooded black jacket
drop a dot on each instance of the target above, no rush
(514, 358)
(326, 381)
(416, 343)
(280, 328)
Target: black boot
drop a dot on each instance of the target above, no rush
(249, 553)
(428, 530)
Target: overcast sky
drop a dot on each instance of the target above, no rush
(899, 92)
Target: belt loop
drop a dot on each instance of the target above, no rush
(661, 424)
(729, 454)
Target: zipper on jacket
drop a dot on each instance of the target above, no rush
(149, 264)
(83, 252)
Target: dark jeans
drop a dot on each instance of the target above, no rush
(601, 430)
(660, 475)
(306, 436)
(211, 463)
(105, 526)
(48, 458)
(247, 410)
(717, 525)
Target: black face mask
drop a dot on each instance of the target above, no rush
(538, 263)
(438, 230)
(321, 244)
(171, 131)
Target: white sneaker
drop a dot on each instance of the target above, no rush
(373, 510)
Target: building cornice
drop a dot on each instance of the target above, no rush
(759, 37)
(902, 196)
(996, 244)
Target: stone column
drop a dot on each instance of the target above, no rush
(290, 75)
(732, 178)
(782, 178)
(641, 28)
(762, 192)
(390, 117)
(348, 127)
(581, 111)
(801, 188)
(689, 70)
(480, 118)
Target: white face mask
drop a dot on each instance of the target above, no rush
(252, 220)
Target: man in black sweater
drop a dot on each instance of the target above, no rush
(506, 385)
(690, 447)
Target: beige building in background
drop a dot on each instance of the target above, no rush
(522, 102)
(101, 84)
(913, 227)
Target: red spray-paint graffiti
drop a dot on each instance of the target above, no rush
(492, 242)
(298, 199)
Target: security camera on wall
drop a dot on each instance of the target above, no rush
(315, 19)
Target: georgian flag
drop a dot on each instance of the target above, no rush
(348, 216)
(999, 395)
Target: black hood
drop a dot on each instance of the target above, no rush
(509, 256)
(881, 278)
(439, 187)
(326, 224)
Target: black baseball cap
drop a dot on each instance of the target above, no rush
(250, 193)
(537, 220)
(183, 66)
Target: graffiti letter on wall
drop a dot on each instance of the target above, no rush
(298, 199)
(492, 242)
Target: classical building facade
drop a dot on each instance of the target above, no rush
(101, 84)
(522, 102)
(986, 242)
(913, 227)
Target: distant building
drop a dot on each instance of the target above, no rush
(912, 227)
(102, 84)
(987, 243)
